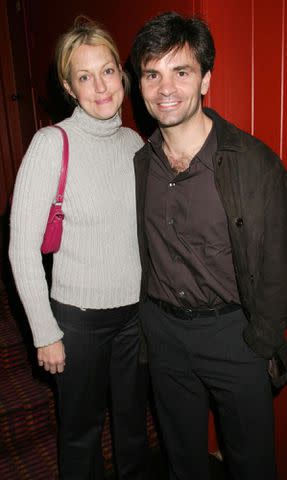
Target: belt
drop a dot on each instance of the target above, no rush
(189, 313)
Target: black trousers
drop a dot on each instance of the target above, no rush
(101, 351)
(194, 360)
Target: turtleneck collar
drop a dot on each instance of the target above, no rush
(95, 126)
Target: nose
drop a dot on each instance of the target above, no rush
(99, 84)
(167, 86)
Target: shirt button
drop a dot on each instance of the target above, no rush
(239, 222)
(181, 293)
(171, 221)
(219, 161)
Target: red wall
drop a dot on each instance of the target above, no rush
(250, 77)
(122, 19)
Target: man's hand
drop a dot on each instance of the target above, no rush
(52, 357)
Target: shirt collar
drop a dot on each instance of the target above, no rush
(205, 154)
(208, 149)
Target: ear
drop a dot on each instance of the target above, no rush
(69, 89)
(205, 82)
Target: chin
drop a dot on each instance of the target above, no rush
(105, 115)
(169, 123)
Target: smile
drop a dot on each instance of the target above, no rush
(166, 105)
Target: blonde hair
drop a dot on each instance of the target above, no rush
(84, 32)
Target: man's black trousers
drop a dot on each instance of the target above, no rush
(194, 360)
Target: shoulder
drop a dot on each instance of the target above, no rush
(261, 155)
(259, 165)
(142, 161)
(252, 152)
(142, 153)
(132, 137)
(44, 151)
(47, 137)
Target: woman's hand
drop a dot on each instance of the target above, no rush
(52, 357)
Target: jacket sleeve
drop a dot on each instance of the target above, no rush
(265, 333)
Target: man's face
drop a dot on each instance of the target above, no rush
(172, 87)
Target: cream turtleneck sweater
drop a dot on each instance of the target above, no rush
(98, 263)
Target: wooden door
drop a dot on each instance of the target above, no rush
(17, 123)
(24, 93)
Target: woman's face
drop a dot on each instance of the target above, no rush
(96, 81)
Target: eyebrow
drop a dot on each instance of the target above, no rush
(175, 69)
(149, 70)
(183, 67)
(88, 69)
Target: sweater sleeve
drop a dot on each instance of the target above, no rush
(35, 188)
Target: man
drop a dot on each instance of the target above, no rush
(212, 227)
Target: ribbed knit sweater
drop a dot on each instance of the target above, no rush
(98, 263)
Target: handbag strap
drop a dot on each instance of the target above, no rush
(63, 175)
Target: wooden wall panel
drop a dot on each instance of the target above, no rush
(267, 71)
(283, 133)
(249, 80)
(230, 92)
(11, 144)
(280, 404)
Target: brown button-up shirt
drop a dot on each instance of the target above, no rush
(186, 225)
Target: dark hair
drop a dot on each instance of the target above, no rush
(169, 31)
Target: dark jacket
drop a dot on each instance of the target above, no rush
(252, 184)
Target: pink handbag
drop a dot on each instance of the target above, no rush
(54, 229)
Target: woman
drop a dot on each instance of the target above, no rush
(87, 335)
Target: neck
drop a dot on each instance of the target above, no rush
(182, 142)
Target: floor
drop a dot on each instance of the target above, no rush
(158, 469)
(159, 472)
